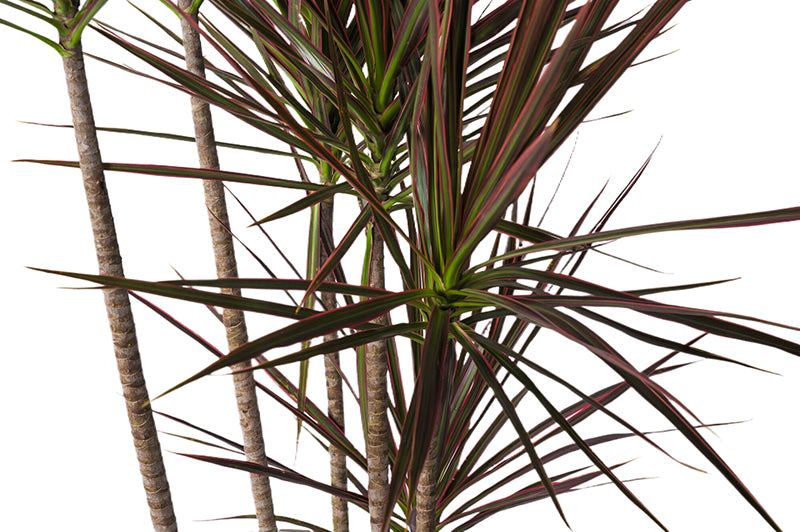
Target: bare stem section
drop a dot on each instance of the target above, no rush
(225, 260)
(333, 384)
(426, 490)
(377, 402)
(118, 307)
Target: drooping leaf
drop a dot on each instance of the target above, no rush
(311, 327)
(282, 474)
(508, 408)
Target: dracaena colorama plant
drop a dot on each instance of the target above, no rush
(386, 99)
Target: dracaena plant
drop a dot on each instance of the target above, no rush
(437, 117)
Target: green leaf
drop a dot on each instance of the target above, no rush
(496, 203)
(43, 14)
(309, 200)
(334, 259)
(81, 20)
(52, 44)
(406, 38)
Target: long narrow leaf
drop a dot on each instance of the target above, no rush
(185, 172)
(316, 325)
(488, 376)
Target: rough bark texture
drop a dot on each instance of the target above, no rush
(118, 307)
(234, 322)
(333, 383)
(426, 491)
(377, 403)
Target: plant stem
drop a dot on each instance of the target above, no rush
(225, 259)
(118, 307)
(333, 381)
(426, 490)
(377, 401)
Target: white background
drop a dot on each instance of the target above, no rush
(726, 107)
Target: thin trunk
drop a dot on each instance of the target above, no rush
(377, 402)
(428, 485)
(426, 490)
(233, 320)
(333, 381)
(118, 307)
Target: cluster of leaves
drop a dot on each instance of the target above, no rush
(387, 100)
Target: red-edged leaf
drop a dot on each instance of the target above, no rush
(311, 327)
(790, 214)
(186, 172)
(489, 377)
(190, 294)
(344, 342)
(305, 202)
(282, 474)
